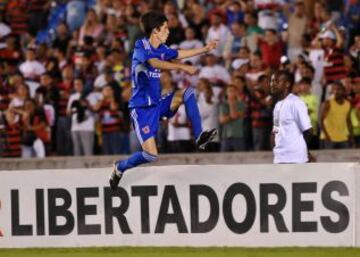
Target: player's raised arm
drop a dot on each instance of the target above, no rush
(165, 65)
(182, 54)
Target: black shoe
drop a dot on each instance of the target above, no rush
(115, 177)
(205, 137)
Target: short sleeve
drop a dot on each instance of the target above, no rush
(141, 54)
(302, 116)
(168, 53)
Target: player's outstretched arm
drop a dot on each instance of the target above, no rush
(165, 65)
(182, 54)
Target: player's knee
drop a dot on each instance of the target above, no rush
(150, 157)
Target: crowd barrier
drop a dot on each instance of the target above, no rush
(258, 205)
(170, 159)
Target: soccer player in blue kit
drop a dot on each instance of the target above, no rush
(147, 106)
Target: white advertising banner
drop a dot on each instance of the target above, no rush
(214, 205)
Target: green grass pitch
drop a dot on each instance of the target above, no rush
(188, 252)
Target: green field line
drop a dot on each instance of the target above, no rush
(188, 252)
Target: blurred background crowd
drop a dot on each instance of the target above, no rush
(65, 72)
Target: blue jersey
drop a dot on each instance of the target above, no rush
(146, 87)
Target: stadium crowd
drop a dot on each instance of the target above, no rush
(65, 82)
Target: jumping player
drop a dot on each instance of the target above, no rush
(147, 106)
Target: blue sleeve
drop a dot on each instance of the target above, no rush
(168, 53)
(141, 54)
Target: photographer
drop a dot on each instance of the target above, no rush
(82, 119)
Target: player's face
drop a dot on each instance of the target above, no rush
(277, 84)
(162, 33)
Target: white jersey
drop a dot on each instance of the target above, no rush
(179, 133)
(88, 124)
(291, 119)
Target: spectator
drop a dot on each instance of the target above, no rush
(63, 125)
(215, 73)
(298, 26)
(234, 12)
(11, 136)
(232, 112)
(257, 68)
(234, 42)
(179, 133)
(36, 132)
(82, 119)
(334, 67)
(191, 42)
(335, 120)
(171, 9)
(48, 90)
(355, 112)
(271, 49)
(38, 11)
(218, 31)
(85, 68)
(5, 30)
(253, 31)
(261, 117)
(196, 17)
(4, 97)
(121, 71)
(32, 69)
(17, 16)
(355, 52)
(21, 95)
(11, 50)
(177, 33)
(312, 103)
(132, 25)
(62, 38)
(61, 59)
(111, 120)
(92, 27)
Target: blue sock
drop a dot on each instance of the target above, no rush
(192, 111)
(135, 160)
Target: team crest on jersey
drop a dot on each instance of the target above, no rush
(146, 130)
(162, 56)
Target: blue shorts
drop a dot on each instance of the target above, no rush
(146, 120)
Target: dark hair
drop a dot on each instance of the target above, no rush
(152, 20)
(339, 84)
(257, 53)
(306, 81)
(273, 31)
(288, 77)
(47, 74)
(306, 37)
(252, 14)
(310, 67)
(82, 79)
(244, 48)
(242, 78)
(262, 78)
